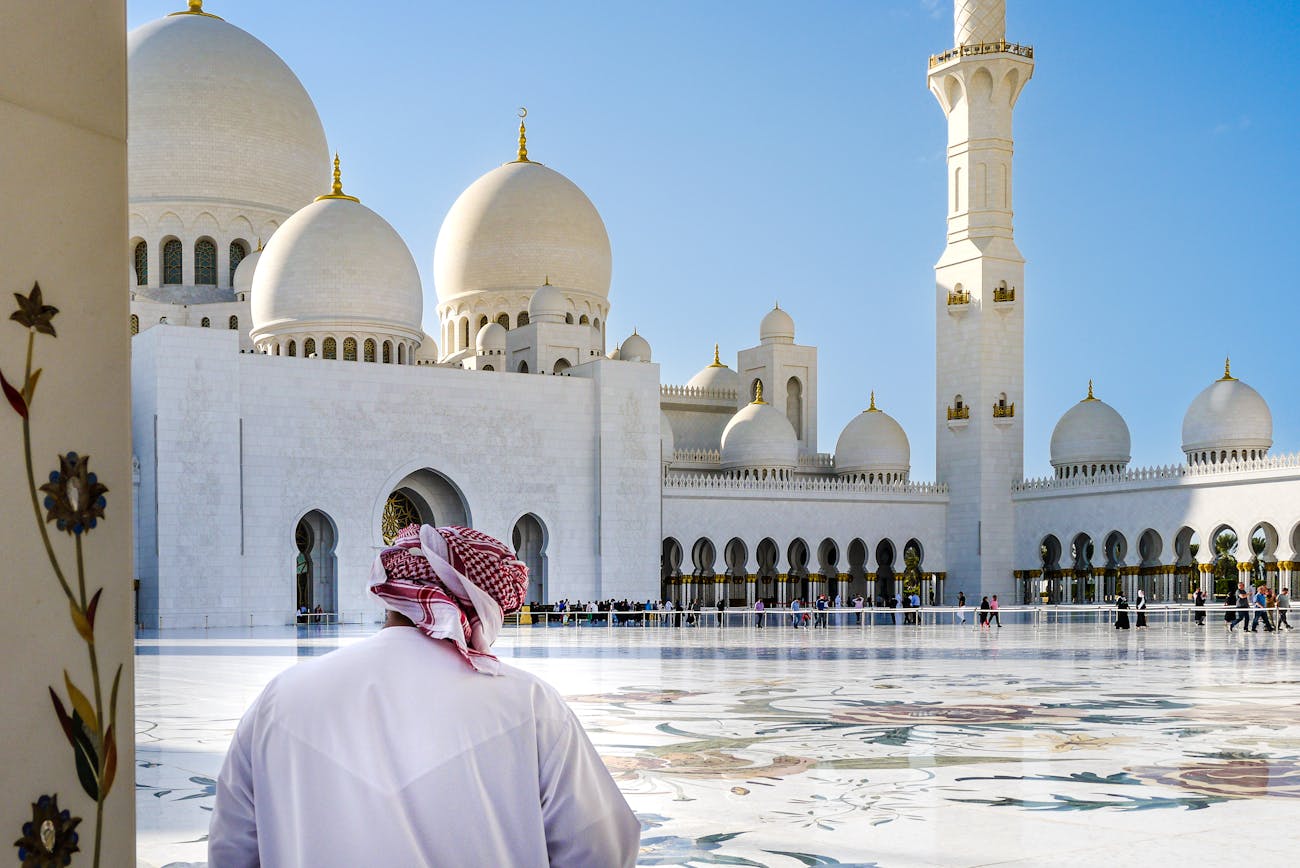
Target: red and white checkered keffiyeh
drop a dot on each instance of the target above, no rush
(454, 583)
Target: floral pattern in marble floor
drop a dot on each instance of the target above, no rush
(889, 746)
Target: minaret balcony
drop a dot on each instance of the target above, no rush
(958, 416)
(971, 50)
(1004, 300)
(959, 301)
(1003, 413)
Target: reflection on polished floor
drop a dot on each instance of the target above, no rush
(891, 746)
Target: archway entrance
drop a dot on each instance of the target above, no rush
(316, 569)
(529, 540)
(423, 497)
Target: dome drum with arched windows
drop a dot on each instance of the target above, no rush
(1091, 438)
(1228, 421)
(338, 272)
(873, 448)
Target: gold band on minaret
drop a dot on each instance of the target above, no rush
(336, 191)
(196, 8)
(523, 137)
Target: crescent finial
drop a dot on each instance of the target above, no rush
(523, 112)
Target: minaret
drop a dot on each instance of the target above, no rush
(980, 297)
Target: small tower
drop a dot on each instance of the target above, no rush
(788, 372)
(979, 298)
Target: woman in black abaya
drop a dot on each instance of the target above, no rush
(1121, 616)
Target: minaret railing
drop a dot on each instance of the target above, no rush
(1000, 47)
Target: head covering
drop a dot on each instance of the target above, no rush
(453, 583)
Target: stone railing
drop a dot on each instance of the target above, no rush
(697, 456)
(697, 392)
(828, 484)
(1000, 47)
(1161, 473)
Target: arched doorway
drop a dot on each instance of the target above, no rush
(529, 540)
(766, 555)
(423, 497)
(703, 554)
(828, 555)
(1082, 551)
(1116, 551)
(316, 568)
(737, 562)
(858, 571)
(885, 554)
(797, 555)
(670, 567)
(1049, 555)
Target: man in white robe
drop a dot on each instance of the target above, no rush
(416, 747)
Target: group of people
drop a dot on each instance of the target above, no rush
(1121, 611)
(1263, 603)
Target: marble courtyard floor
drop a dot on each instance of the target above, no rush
(1044, 746)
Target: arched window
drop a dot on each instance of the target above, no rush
(238, 250)
(330, 348)
(503, 320)
(234, 323)
(595, 323)
(522, 319)
(205, 323)
(582, 320)
(401, 354)
(173, 255)
(349, 349)
(568, 319)
(293, 348)
(464, 333)
(482, 321)
(388, 352)
(205, 263)
(523, 367)
(956, 189)
(488, 368)
(794, 405)
(135, 324)
(369, 350)
(141, 264)
(309, 347)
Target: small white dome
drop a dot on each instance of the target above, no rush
(777, 327)
(1091, 433)
(717, 377)
(613, 354)
(666, 440)
(873, 443)
(244, 273)
(215, 114)
(336, 265)
(515, 224)
(491, 340)
(634, 349)
(759, 435)
(548, 304)
(1228, 416)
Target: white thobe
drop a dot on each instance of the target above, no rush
(394, 751)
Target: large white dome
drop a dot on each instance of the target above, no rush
(759, 436)
(215, 114)
(873, 444)
(1091, 437)
(337, 266)
(1227, 417)
(517, 225)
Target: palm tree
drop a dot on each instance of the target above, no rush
(1225, 563)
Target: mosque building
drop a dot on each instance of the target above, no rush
(290, 413)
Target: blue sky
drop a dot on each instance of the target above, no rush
(742, 153)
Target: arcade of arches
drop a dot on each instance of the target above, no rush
(709, 574)
(1079, 569)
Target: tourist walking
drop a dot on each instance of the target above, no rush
(722, 612)
(984, 613)
(1243, 609)
(961, 606)
(758, 613)
(1141, 609)
(858, 603)
(1198, 601)
(994, 616)
(819, 619)
(1261, 612)
(1121, 612)
(1283, 606)
(794, 612)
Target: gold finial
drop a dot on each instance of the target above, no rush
(778, 306)
(717, 362)
(1227, 369)
(547, 281)
(259, 244)
(336, 192)
(873, 408)
(195, 8)
(1090, 395)
(523, 137)
(758, 392)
